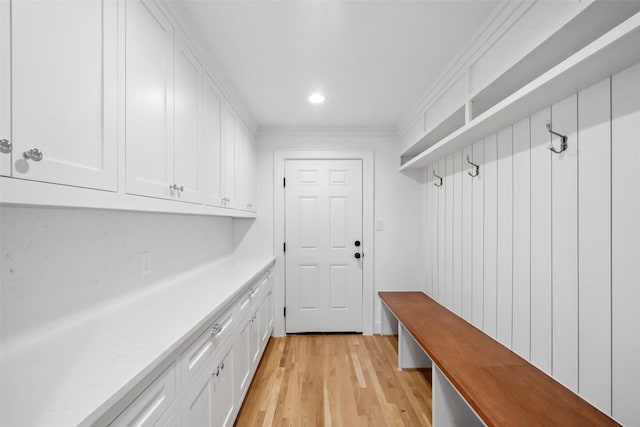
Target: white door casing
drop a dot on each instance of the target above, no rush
(5, 85)
(323, 220)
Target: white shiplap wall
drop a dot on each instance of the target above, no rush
(540, 250)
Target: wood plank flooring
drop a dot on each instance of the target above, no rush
(327, 380)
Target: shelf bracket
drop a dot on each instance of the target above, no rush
(563, 139)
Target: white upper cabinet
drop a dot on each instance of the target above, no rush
(188, 90)
(149, 101)
(245, 168)
(61, 75)
(212, 142)
(229, 156)
(164, 86)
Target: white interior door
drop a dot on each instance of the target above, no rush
(323, 222)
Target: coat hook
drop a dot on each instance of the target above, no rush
(563, 139)
(476, 169)
(439, 177)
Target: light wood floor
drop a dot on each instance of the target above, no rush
(324, 380)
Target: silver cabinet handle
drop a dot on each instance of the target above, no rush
(181, 188)
(216, 329)
(33, 154)
(217, 372)
(222, 365)
(5, 146)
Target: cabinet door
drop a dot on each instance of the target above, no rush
(212, 141)
(5, 88)
(188, 155)
(241, 358)
(255, 339)
(245, 169)
(229, 156)
(268, 314)
(197, 403)
(224, 399)
(63, 91)
(149, 101)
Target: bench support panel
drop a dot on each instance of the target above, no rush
(449, 408)
(410, 354)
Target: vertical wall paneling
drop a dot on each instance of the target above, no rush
(449, 193)
(564, 223)
(521, 239)
(625, 214)
(477, 315)
(540, 242)
(505, 236)
(441, 231)
(428, 288)
(594, 238)
(457, 232)
(467, 247)
(490, 234)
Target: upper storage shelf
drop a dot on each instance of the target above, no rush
(608, 54)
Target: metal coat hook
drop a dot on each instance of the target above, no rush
(476, 169)
(563, 139)
(439, 177)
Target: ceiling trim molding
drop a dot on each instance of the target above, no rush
(184, 25)
(328, 132)
(503, 17)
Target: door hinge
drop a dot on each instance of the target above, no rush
(284, 182)
(285, 312)
(284, 247)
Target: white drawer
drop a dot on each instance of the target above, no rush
(244, 303)
(196, 356)
(147, 409)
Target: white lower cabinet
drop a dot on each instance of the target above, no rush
(209, 376)
(147, 409)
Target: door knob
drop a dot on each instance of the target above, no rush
(357, 243)
(5, 146)
(357, 255)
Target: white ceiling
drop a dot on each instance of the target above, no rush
(372, 59)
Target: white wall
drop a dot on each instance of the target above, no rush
(59, 263)
(399, 202)
(549, 264)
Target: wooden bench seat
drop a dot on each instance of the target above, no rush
(501, 387)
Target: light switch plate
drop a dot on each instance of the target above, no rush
(379, 225)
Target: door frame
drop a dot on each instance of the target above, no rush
(367, 158)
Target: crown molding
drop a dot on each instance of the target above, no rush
(328, 132)
(503, 17)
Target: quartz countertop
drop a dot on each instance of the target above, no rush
(73, 375)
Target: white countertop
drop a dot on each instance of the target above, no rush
(73, 375)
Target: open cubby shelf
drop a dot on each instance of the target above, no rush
(501, 103)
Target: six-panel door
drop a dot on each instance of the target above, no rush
(323, 228)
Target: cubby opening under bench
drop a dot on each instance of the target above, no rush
(477, 380)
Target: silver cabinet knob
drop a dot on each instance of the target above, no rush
(181, 188)
(5, 146)
(33, 154)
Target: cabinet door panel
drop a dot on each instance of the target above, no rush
(229, 153)
(188, 87)
(224, 393)
(5, 84)
(241, 358)
(197, 403)
(149, 102)
(212, 141)
(64, 91)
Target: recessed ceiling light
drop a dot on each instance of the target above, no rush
(316, 98)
